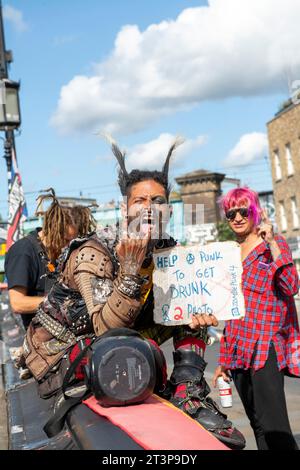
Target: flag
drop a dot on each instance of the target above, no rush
(17, 204)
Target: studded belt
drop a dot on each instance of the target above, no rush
(55, 328)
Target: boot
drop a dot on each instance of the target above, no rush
(190, 394)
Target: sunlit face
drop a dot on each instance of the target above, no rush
(147, 207)
(239, 220)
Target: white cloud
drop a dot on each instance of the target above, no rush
(249, 148)
(228, 48)
(16, 17)
(152, 155)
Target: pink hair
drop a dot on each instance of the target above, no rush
(242, 197)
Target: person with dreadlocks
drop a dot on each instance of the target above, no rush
(30, 259)
(111, 271)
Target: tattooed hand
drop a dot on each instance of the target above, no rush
(265, 229)
(131, 252)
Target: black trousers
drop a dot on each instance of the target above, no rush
(262, 394)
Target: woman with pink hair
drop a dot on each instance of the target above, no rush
(263, 346)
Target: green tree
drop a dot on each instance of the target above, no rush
(224, 233)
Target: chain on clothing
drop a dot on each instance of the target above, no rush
(147, 275)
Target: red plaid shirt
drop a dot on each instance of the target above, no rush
(271, 315)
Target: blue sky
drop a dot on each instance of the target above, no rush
(212, 86)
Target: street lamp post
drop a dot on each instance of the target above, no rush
(9, 101)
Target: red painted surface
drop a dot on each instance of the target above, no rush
(158, 425)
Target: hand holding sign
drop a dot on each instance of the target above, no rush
(201, 320)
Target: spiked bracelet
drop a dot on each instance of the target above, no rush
(130, 285)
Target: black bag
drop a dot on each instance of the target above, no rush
(52, 383)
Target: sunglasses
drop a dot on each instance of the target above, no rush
(243, 211)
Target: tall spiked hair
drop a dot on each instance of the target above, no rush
(127, 180)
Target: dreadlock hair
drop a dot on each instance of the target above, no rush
(82, 219)
(127, 180)
(56, 220)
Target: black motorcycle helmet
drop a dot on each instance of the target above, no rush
(124, 368)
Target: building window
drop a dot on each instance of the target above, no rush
(295, 213)
(278, 173)
(289, 160)
(283, 220)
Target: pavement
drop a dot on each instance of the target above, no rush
(3, 391)
(3, 415)
(3, 410)
(236, 413)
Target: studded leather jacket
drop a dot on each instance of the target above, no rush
(88, 297)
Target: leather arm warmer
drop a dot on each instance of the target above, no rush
(118, 310)
(107, 304)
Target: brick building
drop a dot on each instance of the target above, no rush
(202, 187)
(284, 147)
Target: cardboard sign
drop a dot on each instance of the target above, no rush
(198, 279)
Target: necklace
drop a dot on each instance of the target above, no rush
(50, 267)
(246, 239)
(242, 240)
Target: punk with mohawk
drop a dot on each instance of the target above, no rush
(127, 180)
(113, 276)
